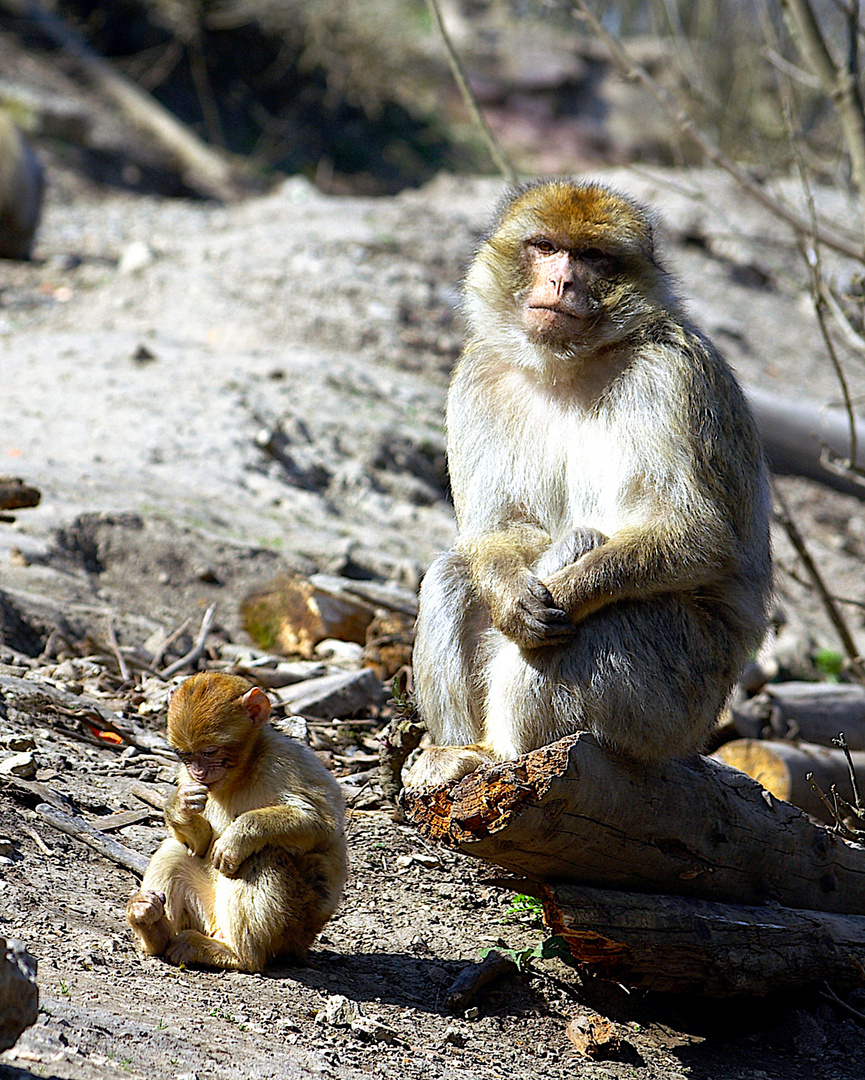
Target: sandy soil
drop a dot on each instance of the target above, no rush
(207, 395)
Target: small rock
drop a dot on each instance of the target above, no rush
(20, 742)
(371, 1029)
(20, 765)
(342, 652)
(7, 848)
(334, 695)
(135, 257)
(143, 355)
(417, 859)
(338, 1011)
(453, 1036)
(473, 1013)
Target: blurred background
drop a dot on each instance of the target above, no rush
(358, 95)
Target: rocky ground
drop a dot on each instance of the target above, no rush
(207, 396)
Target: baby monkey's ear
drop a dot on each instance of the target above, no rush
(257, 705)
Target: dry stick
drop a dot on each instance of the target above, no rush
(475, 977)
(115, 648)
(147, 794)
(634, 72)
(197, 650)
(82, 830)
(810, 249)
(790, 572)
(172, 637)
(502, 164)
(828, 994)
(785, 519)
(840, 84)
(37, 840)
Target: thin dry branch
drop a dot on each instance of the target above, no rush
(85, 832)
(502, 164)
(840, 82)
(197, 650)
(785, 519)
(634, 72)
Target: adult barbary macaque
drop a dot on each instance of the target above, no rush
(255, 862)
(611, 572)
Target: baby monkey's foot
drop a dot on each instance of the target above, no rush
(145, 908)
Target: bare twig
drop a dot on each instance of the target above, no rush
(841, 742)
(115, 648)
(791, 573)
(38, 841)
(206, 170)
(502, 164)
(785, 519)
(810, 249)
(634, 72)
(197, 650)
(147, 794)
(829, 995)
(163, 646)
(840, 82)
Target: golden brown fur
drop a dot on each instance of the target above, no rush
(255, 862)
(612, 569)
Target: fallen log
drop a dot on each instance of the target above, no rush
(82, 830)
(675, 945)
(812, 712)
(691, 827)
(783, 769)
(800, 438)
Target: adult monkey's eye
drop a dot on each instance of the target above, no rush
(540, 243)
(601, 261)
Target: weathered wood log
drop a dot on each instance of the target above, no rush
(676, 945)
(82, 830)
(796, 435)
(783, 768)
(694, 827)
(812, 712)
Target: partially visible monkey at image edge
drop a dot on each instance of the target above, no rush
(612, 569)
(22, 187)
(255, 861)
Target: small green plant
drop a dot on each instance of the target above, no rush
(161, 1025)
(829, 662)
(64, 987)
(527, 909)
(553, 947)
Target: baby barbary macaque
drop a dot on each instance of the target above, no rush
(255, 860)
(612, 568)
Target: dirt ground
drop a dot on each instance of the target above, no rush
(208, 395)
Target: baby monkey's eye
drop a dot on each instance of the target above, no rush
(540, 243)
